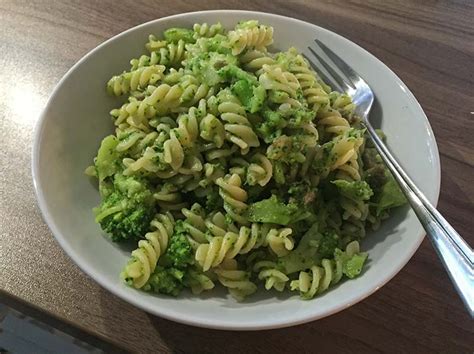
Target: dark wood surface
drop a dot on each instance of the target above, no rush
(429, 44)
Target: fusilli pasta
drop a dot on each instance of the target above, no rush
(236, 165)
(145, 257)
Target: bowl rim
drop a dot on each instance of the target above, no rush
(216, 324)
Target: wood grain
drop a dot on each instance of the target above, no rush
(429, 44)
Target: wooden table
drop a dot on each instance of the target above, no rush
(429, 44)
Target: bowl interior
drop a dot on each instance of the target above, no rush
(76, 119)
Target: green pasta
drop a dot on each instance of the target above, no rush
(236, 165)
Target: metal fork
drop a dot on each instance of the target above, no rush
(456, 255)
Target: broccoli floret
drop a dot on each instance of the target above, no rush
(371, 157)
(376, 177)
(271, 127)
(312, 248)
(390, 196)
(357, 190)
(323, 161)
(276, 120)
(169, 276)
(351, 266)
(179, 253)
(167, 281)
(305, 255)
(274, 211)
(125, 213)
(213, 200)
(328, 244)
(174, 34)
(233, 73)
(289, 59)
(252, 96)
(354, 265)
(255, 193)
(208, 67)
(288, 149)
(218, 44)
(302, 193)
(299, 116)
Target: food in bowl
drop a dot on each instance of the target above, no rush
(235, 164)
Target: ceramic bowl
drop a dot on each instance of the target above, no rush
(76, 119)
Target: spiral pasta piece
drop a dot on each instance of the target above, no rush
(199, 282)
(125, 115)
(304, 170)
(133, 141)
(169, 198)
(342, 103)
(314, 90)
(145, 257)
(260, 170)
(238, 129)
(193, 91)
(229, 242)
(184, 136)
(254, 60)
(219, 248)
(333, 122)
(273, 278)
(239, 166)
(236, 281)
(353, 207)
(154, 44)
(205, 30)
(145, 60)
(308, 283)
(212, 129)
(347, 168)
(140, 149)
(146, 164)
(343, 149)
(168, 54)
(161, 99)
(194, 222)
(173, 152)
(213, 153)
(173, 76)
(212, 171)
(356, 209)
(274, 78)
(318, 279)
(187, 130)
(135, 79)
(280, 241)
(308, 135)
(257, 37)
(162, 54)
(234, 196)
(353, 228)
(350, 170)
(216, 224)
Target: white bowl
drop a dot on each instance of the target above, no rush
(76, 119)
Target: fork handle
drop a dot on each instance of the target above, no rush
(456, 255)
